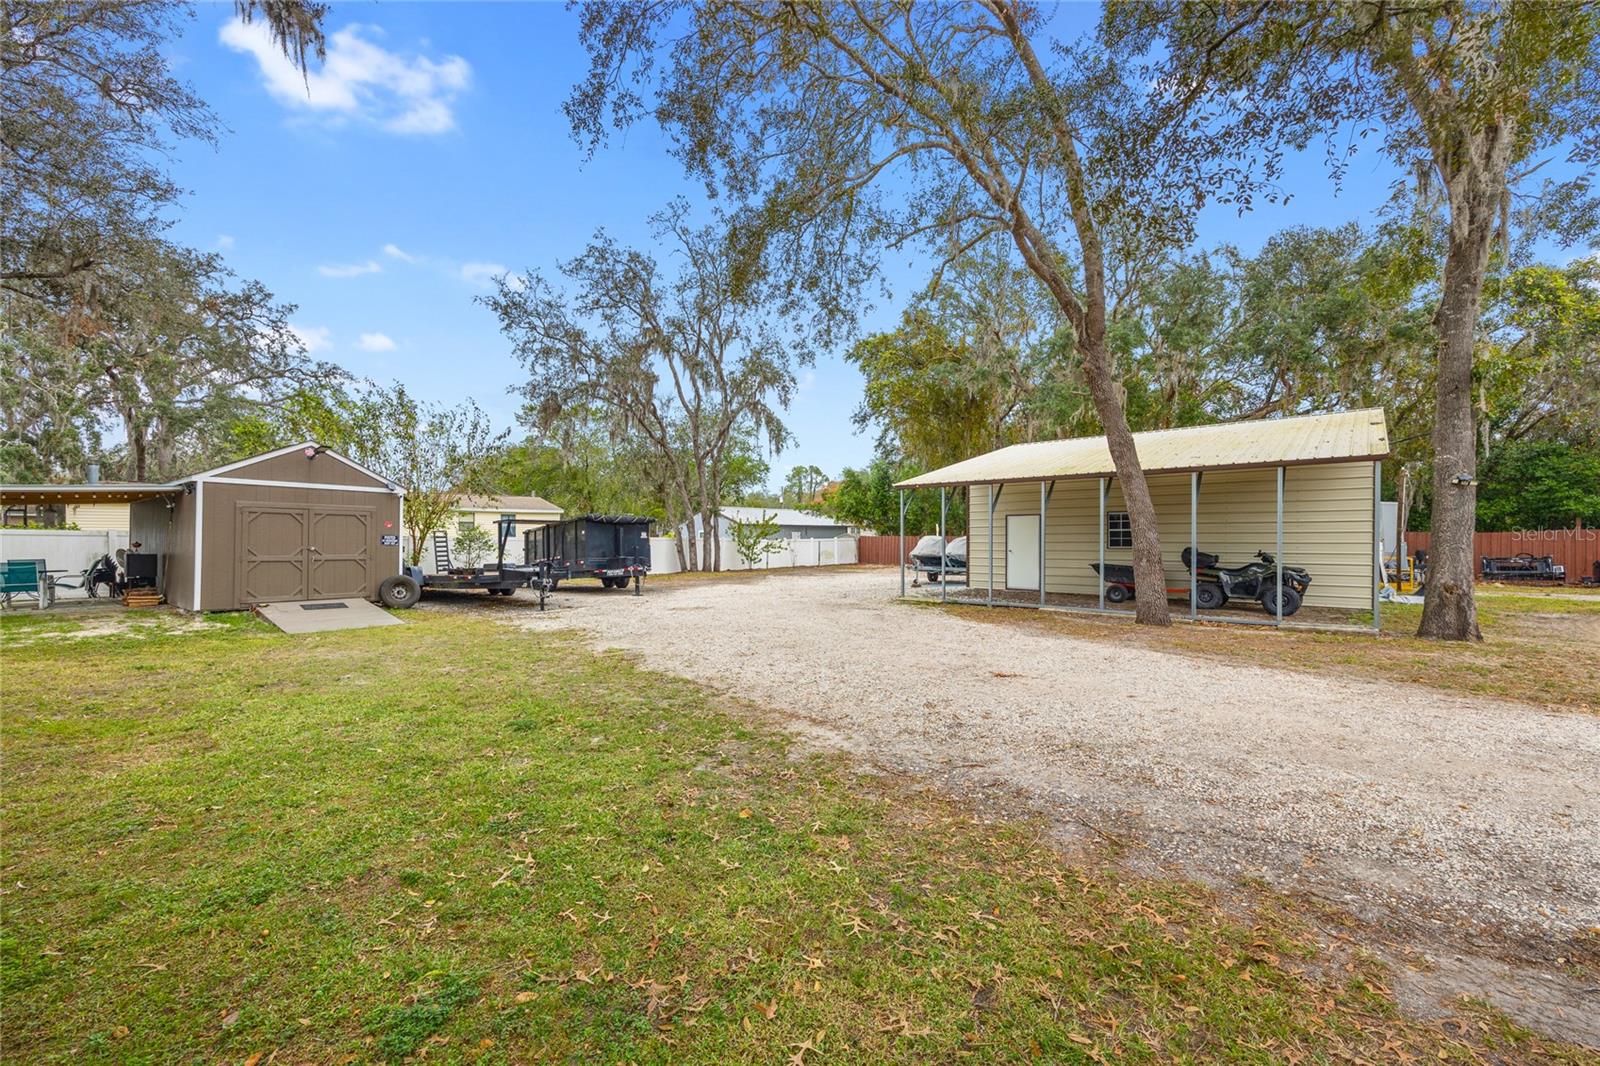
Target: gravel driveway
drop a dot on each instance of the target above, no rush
(1469, 830)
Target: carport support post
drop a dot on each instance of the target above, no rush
(1102, 544)
(1278, 557)
(1046, 489)
(1194, 549)
(1377, 524)
(944, 591)
(994, 501)
(902, 544)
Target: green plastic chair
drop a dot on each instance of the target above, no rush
(26, 577)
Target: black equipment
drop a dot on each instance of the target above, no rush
(612, 548)
(1523, 568)
(1255, 581)
(139, 570)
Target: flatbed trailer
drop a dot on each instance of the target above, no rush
(500, 579)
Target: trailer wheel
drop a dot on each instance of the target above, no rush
(1117, 594)
(399, 591)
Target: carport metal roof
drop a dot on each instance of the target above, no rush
(1343, 436)
(98, 492)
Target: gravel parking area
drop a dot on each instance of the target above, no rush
(1467, 831)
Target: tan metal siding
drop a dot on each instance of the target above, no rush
(1327, 527)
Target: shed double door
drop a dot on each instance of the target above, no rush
(303, 553)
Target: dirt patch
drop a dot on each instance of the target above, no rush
(1465, 830)
(108, 624)
(1575, 628)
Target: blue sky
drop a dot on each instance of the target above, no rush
(430, 153)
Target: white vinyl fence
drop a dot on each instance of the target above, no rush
(69, 550)
(821, 551)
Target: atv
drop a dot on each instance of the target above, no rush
(1254, 581)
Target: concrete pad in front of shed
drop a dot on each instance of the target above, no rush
(319, 616)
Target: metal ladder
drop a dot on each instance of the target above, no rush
(441, 551)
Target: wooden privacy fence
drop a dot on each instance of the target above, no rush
(1576, 549)
(886, 551)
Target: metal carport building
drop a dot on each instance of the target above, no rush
(1308, 486)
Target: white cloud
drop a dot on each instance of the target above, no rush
(224, 241)
(481, 274)
(377, 342)
(313, 338)
(349, 270)
(359, 80)
(394, 251)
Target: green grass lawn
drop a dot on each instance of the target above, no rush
(463, 841)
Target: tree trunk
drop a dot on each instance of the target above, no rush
(676, 519)
(141, 455)
(1449, 610)
(1149, 575)
(691, 556)
(708, 534)
(716, 508)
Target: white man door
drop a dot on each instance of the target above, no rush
(1022, 551)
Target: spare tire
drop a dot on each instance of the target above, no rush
(399, 591)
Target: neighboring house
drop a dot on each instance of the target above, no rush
(793, 524)
(98, 516)
(485, 512)
(112, 516)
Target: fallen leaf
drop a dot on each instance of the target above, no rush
(744, 812)
(768, 1010)
(253, 1059)
(527, 997)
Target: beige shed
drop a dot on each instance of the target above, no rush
(1305, 489)
(298, 523)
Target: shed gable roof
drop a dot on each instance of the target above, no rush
(242, 468)
(1343, 436)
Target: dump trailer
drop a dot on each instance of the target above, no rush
(613, 549)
